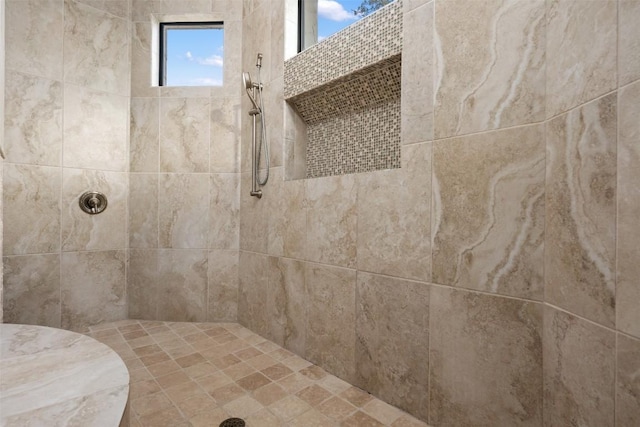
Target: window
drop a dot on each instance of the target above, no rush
(318, 19)
(191, 53)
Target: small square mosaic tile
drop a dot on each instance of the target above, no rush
(200, 374)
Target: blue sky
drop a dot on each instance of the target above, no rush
(195, 56)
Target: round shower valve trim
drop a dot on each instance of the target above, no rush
(93, 202)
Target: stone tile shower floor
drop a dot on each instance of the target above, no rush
(199, 374)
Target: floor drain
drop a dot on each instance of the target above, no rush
(232, 422)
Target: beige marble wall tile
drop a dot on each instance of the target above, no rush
(287, 219)
(31, 201)
(144, 133)
(33, 120)
(491, 74)
(417, 74)
(628, 41)
(115, 7)
(332, 220)
(232, 67)
(225, 135)
(253, 217)
(394, 230)
(182, 279)
(409, 5)
(581, 211)
(224, 212)
(107, 230)
(183, 211)
(277, 39)
(392, 341)
(95, 129)
(330, 334)
(628, 232)
(34, 37)
(232, 8)
(184, 134)
(223, 286)
(628, 382)
(141, 9)
(141, 85)
(96, 49)
(579, 371)
(253, 282)
(32, 290)
(581, 52)
(287, 303)
(485, 360)
(92, 288)
(488, 212)
(143, 210)
(142, 284)
(274, 119)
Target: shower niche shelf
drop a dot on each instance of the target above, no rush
(343, 100)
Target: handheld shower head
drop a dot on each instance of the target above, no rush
(246, 80)
(249, 86)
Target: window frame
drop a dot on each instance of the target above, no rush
(178, 25)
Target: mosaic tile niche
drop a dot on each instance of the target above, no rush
(344, 95)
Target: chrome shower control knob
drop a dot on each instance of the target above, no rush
(93, 202)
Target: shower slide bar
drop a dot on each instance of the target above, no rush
(254, 91)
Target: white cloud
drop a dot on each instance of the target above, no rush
(213, 60)
(334, 11)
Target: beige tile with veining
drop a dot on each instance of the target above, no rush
(581, 52)
(184, 135)
(34, 37)
(330, 343)
(183, 216)
(392, 341)
(143, 210)
(93, 288)
(223, 286)
(287, 303)
(96, 49)
(580, 204)
(95, 129)
(107, 230)
(394, 230)
(32, 290)
(627, 382)
(491, 74)
(579, 371)
(253, 282)
(628, 232)
(485, 360)
(417, 75)
(628, 41)
(332, 220)
(182, 281)
(33, 119)
(224, 211)
(115, 7)
(144, 131)
(142, 284)
(141, 51)
(31, 201)
(287, 232)
(488, 212)
(225, 135)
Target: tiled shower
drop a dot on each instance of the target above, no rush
(491, 280)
